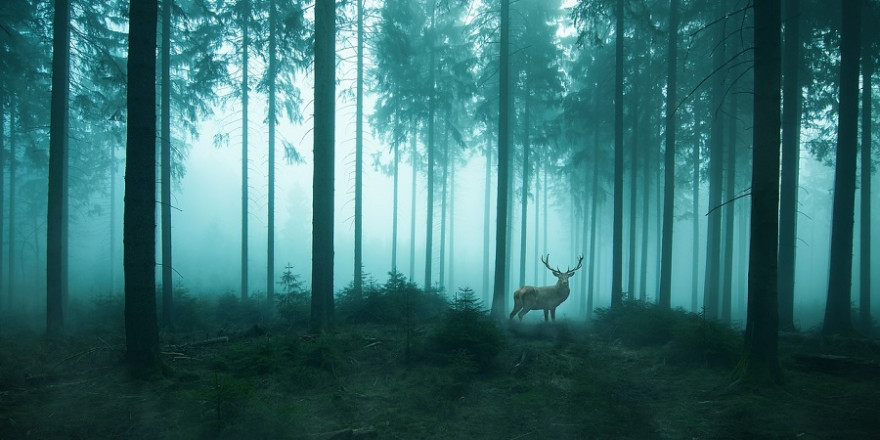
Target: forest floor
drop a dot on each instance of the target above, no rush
(549, 381)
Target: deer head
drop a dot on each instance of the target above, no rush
(562, 276)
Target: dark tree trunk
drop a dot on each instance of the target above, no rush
(444, 188)
(272, 119)
(139, 235)
(13, 167)
(647, 163)
(865, 213)
(323, 185)
(695, 258)
(665, 296)
(711, 288)
(788, 196)
(730, 174)
(165, 153)
(451, 283)
(594, 207)
(499, 294)
(56, 241)
(429, 216)
(3, 191)
(837, 309)
(524, 196)
(633, 197)
(359, 157)
(394, 208)
(759, 362)
(617, 239)
(412, 225)
(245, 88)
(486, 212)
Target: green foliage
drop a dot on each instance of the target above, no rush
(466, 335)
(294, 304)
(398, 301)
(231, 311)
(689, 338)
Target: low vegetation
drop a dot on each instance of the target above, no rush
(404, 363)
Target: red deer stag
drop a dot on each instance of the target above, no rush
(528, 298)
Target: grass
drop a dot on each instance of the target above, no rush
(565, 380)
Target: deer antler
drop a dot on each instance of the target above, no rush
(546, 261)
(580, 263)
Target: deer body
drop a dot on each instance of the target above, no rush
(545, 298)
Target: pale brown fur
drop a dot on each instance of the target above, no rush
(545, 298)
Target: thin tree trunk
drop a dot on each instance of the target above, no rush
(695, 262)
(487, 201)
(58, 131)
(394, 208)
(865, 232)
(451, 284)
(711, 294)
(323, 185)
(498, 297)
(665, 295)
(593, 220)
(443, 194)
(617, 239)
(141, 327)
(165, 153)
(524, 196)
(272, 112)
(837, 309)
(643, 266)
(245, 42)
(788, 196)
(13, 166)
(359, 157)
(2, 192)
(537, 215)
(112, 265)
(412, 226)
(544, 223)
(759, 361)
(730, 174)
(429, 217)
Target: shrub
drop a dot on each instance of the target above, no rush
(397, 301)
(466, 333)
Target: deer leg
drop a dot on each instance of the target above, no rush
(517, 304)
(545, 315)
(553, 314)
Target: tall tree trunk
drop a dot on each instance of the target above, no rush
(788, 196)
(647, 163)
(759, 361)
(729, 175)
(711, 292)
(394, 208)
(617, 239)
(432, 110)
(412, 226)
(451, 283)
(245, 88)
(165, 153)
(323, 184)
(665, 296)
(272, 112)
(837, 309)
(865, 213)
(113, 264)
(444, 188)
(58, 131)
(359, 157)
(594, 207)
(13, 166)
(141, 327)
(544, 223)
(486, 202)
(633, 198)
(3, 191)
(524, 196)
(695, 266)
(499, 294)
(537, 215)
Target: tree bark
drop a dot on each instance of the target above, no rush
(13, 168)
(837, 309)
(788, 196)
(412, 226)
(165, 153)
(665, 296)
(695, 258)
(759, 362)
(141, 327)
(359, 157)
(711, 287)
(245, 88)
(729, 176)
(865, 205)
(617, 234)
(432, 110)
(499, 294)
(58, 132)
(323, 184)
(486, 223)
(272, 119)
(394, 209)
(524, 196)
